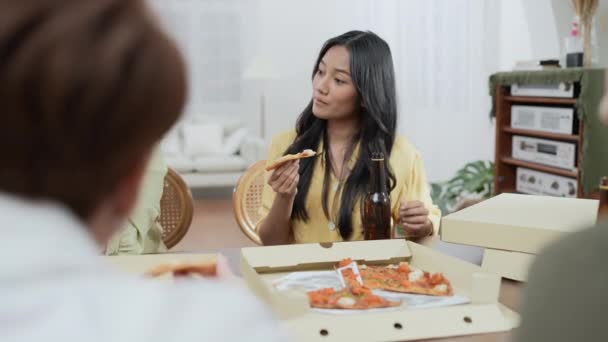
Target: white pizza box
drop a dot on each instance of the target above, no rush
(507, 264)
(261, 265)
(517, 222)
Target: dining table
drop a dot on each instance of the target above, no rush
(510, 290)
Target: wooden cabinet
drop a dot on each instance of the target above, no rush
(505, 167)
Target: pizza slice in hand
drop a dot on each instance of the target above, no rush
(284, 159)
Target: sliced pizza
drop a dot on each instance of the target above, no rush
(184, 269)
(357, 298)
(354, 295)
(284, 159)
(360, 280)
(407, 279)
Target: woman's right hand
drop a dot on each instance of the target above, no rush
(284, 180)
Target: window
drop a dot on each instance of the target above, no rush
(209, 32)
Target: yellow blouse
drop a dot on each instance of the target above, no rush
(411, 185)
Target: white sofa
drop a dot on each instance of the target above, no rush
(211, 151)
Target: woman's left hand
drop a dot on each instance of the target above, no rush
(414, 219)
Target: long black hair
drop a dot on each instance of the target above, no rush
(373, 75)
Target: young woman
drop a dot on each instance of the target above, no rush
(352, 113)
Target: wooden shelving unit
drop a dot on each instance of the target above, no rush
(539, 100)
(545, 135)
(505, 165)
(539, 167)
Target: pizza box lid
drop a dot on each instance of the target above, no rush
(517, 222)
(260, 266)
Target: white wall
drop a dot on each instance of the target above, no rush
(536, 29)
(563, 17)
(292, 33)
(542, 33)
(514, 38)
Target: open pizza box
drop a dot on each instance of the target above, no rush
(515, 227)
(261, 267)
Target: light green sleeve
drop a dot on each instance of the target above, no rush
(143, 232)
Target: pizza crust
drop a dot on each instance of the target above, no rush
(284, 159)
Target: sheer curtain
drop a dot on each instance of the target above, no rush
(444, 51)
(216, 39)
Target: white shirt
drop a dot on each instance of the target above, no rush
(54, 286)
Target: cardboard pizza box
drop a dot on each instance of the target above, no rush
(260, 266)
(517, 222)
(507, 264)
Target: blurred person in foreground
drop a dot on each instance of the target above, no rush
(566, 296)
(87, 88)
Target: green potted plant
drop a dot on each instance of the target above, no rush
(471, 184)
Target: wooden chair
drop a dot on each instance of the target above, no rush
(247, 199)
(176, 208)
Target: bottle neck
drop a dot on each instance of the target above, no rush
(378, 176)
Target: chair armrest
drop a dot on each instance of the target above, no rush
(253, 149)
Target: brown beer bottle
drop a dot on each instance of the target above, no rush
(377, 204)
(602, 213)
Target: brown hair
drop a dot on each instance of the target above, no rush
(86, 88)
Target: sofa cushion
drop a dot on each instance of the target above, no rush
(207, 164)
(202, 139)
(229, 124)
(232, 143)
